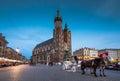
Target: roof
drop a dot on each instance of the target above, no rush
(44, 43)
(3, 38)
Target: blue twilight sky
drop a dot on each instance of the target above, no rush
(93, 23)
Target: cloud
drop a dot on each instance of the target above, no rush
(26, 46)
(106, 8)
(111, 8)
(26, 38)
(96, 40)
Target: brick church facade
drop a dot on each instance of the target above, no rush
(54, 48)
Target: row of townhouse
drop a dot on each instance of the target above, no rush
(91, 53)
(7, 53)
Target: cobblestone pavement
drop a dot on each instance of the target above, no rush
(51, 73)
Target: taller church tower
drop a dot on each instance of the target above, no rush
(62, 38)
(58, 38)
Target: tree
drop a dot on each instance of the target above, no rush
(67, 55)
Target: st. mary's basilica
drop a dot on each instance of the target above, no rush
(54, 49)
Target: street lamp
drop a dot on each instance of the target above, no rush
(17, 50)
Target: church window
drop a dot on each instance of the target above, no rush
(48, 48)
(0, 44)
(0, 50)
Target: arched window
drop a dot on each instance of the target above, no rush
(0, 43)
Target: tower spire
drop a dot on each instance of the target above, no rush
(66, 26)
(58, 17)
(58, 13)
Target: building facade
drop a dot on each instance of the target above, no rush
(119, 55)
(93, 53)
(112, 54)
(55, 48)
(8, 54)
(3, 44)
(14, 55)
(86, 53)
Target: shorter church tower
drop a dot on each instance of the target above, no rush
(67, 42)
(67, 37)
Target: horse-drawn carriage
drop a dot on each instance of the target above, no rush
(71, 64)
(97, 63)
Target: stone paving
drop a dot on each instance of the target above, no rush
(51, 73)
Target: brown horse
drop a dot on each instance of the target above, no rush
(93, 65)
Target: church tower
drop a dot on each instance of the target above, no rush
(56, 49)
(67, 40)
(58, 37)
